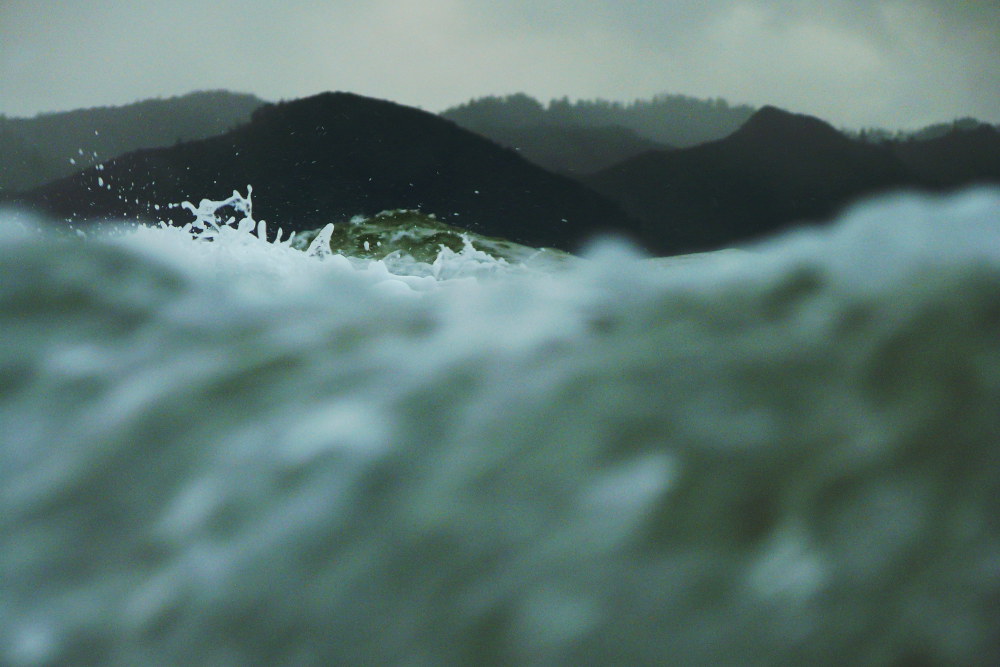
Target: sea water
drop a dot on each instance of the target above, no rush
(219, 450)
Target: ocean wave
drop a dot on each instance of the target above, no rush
(231, 451)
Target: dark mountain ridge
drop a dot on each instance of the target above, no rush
(332, 156)
(329, 157)
(961, 157)
(778, 169)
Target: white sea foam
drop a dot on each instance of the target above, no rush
(227, 451)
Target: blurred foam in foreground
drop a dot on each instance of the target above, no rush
(235, 452)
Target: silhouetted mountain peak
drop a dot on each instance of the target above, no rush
(335, 155)
(771, 124)
(778, 169)
(339, 120)
(328, 104)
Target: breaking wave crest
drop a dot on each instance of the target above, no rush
(224, 450)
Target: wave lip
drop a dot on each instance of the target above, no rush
(233, 452)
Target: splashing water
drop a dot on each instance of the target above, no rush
(217, 449)
(413, 253)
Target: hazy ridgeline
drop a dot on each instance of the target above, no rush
(932, 131)
(569, 149)
(673, 120)
(584, 137)
(669, 119)
(37, 150)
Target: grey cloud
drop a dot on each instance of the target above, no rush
(888, 62)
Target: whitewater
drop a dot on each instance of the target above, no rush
(220, 450)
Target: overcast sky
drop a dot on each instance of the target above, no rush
(891, 63)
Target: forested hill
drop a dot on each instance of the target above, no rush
(329, 157)
(674, 120)
(782, 169)
(879, 135)
(49, 146)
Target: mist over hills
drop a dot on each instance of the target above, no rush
(49, 146)
(672, 120)
(585, 136)
(332, 156)
(572, 150)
